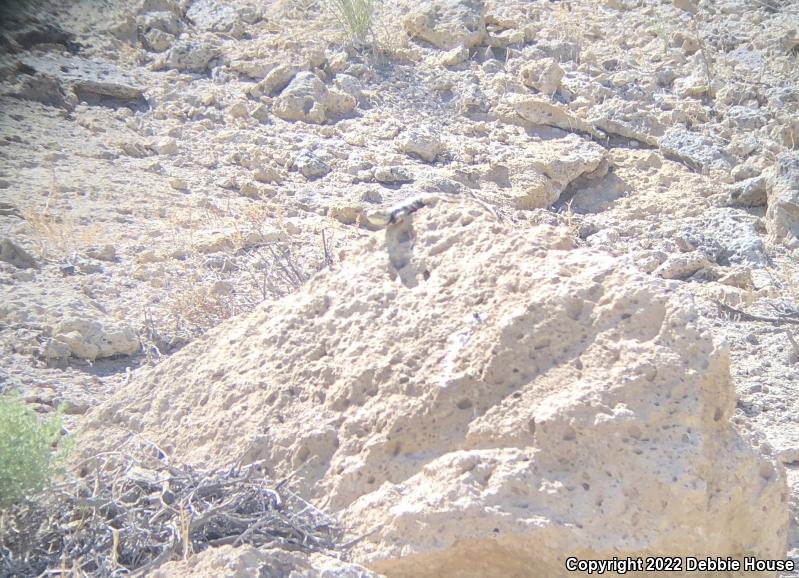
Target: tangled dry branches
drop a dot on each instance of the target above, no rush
(136, 511)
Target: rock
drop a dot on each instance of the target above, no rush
(163, 20)
(277, 79)
(238, 110)
(348, 84)
(268, 174)
(93, 82)
(749, 192)
(178, 184)
(392, 174)
(310, 166)
(686, 5)
(447, 24)
(89, 338)
(52, 350)
(307, 99)
(165, 146)
(230, 562)
(346, 213)
(740, 277)
(782, 216)
(97, 90)
(695, 85)
(539, 175)
(698, 151)
(215, 17)
(157, 40)
(12, 253)
(423, 143)
(682, 266)
(473, 399)
(541, 111)
(188, 56)
(42, 88)
(454, 57)
(543, 75)
(72, 406)
(106, 252)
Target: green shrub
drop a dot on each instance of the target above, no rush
(27, 442)
(355, 17)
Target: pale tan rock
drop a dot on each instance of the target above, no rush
(476, 400)
(782, 215)
(247, 561)
(277, 79)
(682, 265)
(422, 143)
(455, 56)
(238, 109)
(543, 75)
(347, 213)
(540, 173)
(165, 146)
(447, 23)
(12, 253)
(540, 110)
(157, 40)
(307, 99)
(90, 338)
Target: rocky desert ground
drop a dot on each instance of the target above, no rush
(482, 287)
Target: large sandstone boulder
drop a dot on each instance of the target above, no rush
(447, 23)
(476, 401)
(783, 201)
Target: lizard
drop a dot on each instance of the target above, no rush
(384, 217)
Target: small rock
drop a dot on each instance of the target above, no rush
(105, 252)
(346, 213)
(348, 84)
(238, 110)
(307, 99)
(371, 196)
(277, 79)
(447, 23)
(392, 174)
(310, 166)
(41, 88)
(543, 75)
(268, 175)
(455, 56)
(749, 192)
(250, 189)
(12, 253)
(53, 350)
(157, 40)
(73, 407)
(178, 184)
(260, 113)
(743, 172)
(740, 277)
(682, 266)
(782, 216)
(423, 143)
(91, 339)
(188, 56)
(165, 146)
